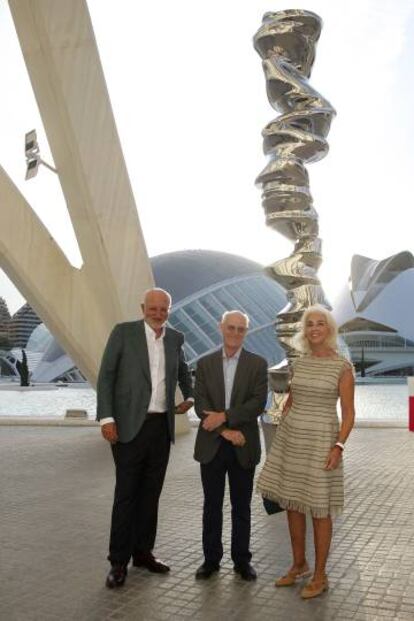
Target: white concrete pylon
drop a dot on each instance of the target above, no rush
(80, 307)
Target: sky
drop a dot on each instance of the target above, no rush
(189, 99)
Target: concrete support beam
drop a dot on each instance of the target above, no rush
(79, 306)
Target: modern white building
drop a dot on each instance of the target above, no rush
(375, 312)
(203, 284)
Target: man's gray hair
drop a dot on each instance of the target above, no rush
(158, 290)
(235, 312)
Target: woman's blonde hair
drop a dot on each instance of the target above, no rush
(301, 342)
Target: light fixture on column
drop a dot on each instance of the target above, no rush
(32, 153)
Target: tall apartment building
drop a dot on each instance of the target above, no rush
(4, 325)
(21, 325)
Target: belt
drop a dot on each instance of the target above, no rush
(150, 414)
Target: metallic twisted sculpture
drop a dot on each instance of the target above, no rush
(286, 42)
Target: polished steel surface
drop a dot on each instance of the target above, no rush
(286, 42)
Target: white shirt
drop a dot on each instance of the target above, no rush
(156, 355)
(229, 370)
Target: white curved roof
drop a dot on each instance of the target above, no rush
(382, 291)
(369, 277)
(203, 285)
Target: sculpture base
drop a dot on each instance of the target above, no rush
(269, 430)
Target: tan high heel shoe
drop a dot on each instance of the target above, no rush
(292, 576)
(314, 588)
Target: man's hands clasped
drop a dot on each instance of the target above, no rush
(234, 436)
(214, 420)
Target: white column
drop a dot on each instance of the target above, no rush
(80, 307)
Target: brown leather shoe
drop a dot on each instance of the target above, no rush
(149, 561)
(314, 588)
(292, 576)
(116, 576)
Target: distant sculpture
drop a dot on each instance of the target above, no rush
(23, 369)
(286, 42)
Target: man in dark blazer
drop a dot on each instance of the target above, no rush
(230, 393)
(142, 362)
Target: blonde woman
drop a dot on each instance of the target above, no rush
(303, 470)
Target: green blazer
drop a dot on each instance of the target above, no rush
(124, 381)
(248, 399)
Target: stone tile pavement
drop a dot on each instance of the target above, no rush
(55, 500)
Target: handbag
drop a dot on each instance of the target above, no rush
(271, 506)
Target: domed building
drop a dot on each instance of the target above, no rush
(203, 285)
(375, 315)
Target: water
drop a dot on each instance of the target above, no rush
(385, 402)
(48, 403)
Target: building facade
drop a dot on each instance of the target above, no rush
(375, 315)
(203, 284)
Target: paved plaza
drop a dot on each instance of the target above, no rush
(56, 493)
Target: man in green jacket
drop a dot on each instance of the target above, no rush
(141, 365)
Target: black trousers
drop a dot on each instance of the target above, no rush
(213, 477)
(140, 471)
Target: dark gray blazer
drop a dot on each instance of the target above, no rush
(248, 400)
(124, 381)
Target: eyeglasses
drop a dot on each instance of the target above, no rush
(238, 329)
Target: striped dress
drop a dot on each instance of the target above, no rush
(294, 474)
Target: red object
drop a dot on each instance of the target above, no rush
(411, 413)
